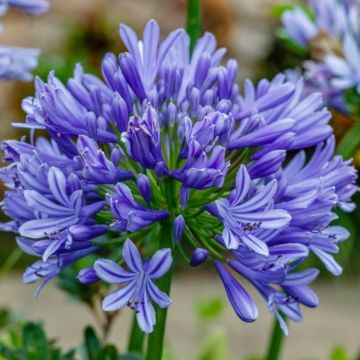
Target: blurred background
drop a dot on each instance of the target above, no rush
(200, 321)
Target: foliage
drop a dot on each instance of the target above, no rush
(29, 341)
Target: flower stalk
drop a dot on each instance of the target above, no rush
(156, 338)
(137, 337)
(276, 341)
(194, 19)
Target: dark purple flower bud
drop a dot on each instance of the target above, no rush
(184, 196)
(205, 171)
(143, 184)
(120, 113)
(179, 225)
(87, 276)
(199, 256)
(132, 76)
(202, 69)
(129, 214)
(143, 140)
(116, 155)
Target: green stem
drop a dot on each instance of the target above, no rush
(193, 24)
(156, 338)
(10, 262)
(137, 336)
(276, 341)
(350, 142)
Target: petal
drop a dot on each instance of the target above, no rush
(328, 260)
(145, 315)
(119, 298)
(243, 182)
(301, 278)
(40, 203)
(132, 256)
(255, 244)
(231, 241)
(304, 295)
(159, 264)
(161, 298)
(111, 272)
(57, 185)
(36, 229)
(241, 301)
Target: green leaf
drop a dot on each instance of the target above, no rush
(92, 343)
(5, 317)
(131, 356)
(339, 353)
(289, 44)
(350, 142)
(70, 355)
(208, 309)
(35, 343)
(278, 10)
(109, 352)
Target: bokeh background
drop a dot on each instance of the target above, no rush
(83, 31)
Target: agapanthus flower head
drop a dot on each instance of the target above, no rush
(166, 150)
(17, 63)
(331, 36)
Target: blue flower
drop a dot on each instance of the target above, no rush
(244, 179)
(57, 213)
(242, 215)
(143, 141)
(331, 36)
(129, 214)
(96, 167)
(139, 289)
(17, 63)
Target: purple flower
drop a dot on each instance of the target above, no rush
(199, 256)
(58, 212)
(129, 214)
(143, 141)
(96, 167)
(139, 289)
(87, 276)
(332, 39)
(204, 172)
(144, 186)
(166, 137)
(17, 63)
(179, 225)
(242, 214)
(46, 271)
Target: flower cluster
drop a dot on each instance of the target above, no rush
(15, 62)
(330, 32)
(167, 147)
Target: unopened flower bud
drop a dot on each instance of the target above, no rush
(199, 256)
(179, 225)
(143, 184)
(87, 276)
